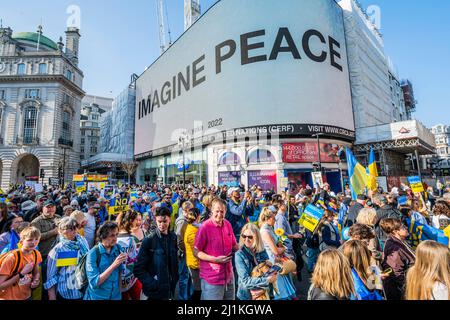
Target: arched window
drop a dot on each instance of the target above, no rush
(30, 124)
(21, 68)
(229, 158)
(260, 156)
(42, 68)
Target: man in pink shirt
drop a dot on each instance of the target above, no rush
(214, 247)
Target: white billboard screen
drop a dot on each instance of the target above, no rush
(249, 65)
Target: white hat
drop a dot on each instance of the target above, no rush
(74, 202)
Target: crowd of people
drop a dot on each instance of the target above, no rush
(220, 243)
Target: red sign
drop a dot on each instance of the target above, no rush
(306, 152)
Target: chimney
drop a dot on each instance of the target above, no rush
(72, 43)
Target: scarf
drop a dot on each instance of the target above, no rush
(75, 245)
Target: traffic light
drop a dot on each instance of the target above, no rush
(42, 175)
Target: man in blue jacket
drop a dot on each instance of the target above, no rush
(237, 212)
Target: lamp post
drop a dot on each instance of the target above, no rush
(182, 143)
(318, 135)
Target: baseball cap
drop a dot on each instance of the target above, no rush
(40, 196)
(49, 202)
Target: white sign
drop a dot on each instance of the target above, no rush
(38, 188)
(239, 72)
(317, 179)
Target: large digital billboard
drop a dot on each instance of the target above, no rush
(249, 67)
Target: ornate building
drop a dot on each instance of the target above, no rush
(40, 101)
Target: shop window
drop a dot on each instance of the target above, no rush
(229, 158)
(260, 156)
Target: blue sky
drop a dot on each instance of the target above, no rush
(121, 37)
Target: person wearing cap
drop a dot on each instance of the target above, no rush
(354, 210)
(46, 223)
(63, 202)
(32, 214)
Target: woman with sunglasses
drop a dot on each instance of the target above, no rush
(286, 288)
(251, 253)
(398, 257)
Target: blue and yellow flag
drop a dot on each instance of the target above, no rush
(357, 175)
(67, 258)
(420, 232)
(373, 172)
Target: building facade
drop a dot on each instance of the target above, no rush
(93, 108)
(40, 102)
(116, 136)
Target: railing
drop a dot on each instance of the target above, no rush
(30, 141)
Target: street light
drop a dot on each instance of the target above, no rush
(318, 135)
(182, 144)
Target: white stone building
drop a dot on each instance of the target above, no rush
(40, 102)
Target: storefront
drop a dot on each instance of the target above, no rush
(214, 95)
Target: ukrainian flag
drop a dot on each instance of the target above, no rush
(357, 175)
(420, 232)
(373, 172)
(67, 258)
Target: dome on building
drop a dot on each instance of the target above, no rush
(33, 37)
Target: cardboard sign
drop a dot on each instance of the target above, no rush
(117, 206)
(311, 217)
(317, 179)
(80, 186)
(416, 184)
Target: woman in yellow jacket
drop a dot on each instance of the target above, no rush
(192, 262)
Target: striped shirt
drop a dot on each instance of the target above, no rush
(63, 277)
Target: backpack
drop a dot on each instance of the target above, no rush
(18, 258)
(80, 271)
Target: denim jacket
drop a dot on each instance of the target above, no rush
(110, 289)
(244, 266)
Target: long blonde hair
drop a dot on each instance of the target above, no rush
(265, 215)
(358, 256)
(333, 275)
(258, 245)
(432, 265)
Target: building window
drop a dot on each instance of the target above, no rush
(83, 133)
(69, 75)
(94, 117)
(260, 156)
(2, 94)
(66, 125)
(30, 124)
(32, 94)
(82, 157)
(42, 68)
(93, 149)
(21, 68)
(67, 99)
(82, 140)
(82, 150)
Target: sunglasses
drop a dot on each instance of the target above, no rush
(246, 237)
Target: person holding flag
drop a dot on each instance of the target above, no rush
(372, 172)
(357, 175)
(63, 260)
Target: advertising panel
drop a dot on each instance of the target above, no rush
(230, 178)
(266, 179)
(306, 152)
(219, 79)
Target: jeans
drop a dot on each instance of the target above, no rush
(312, 254)
(223, 292)
(184, 284)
